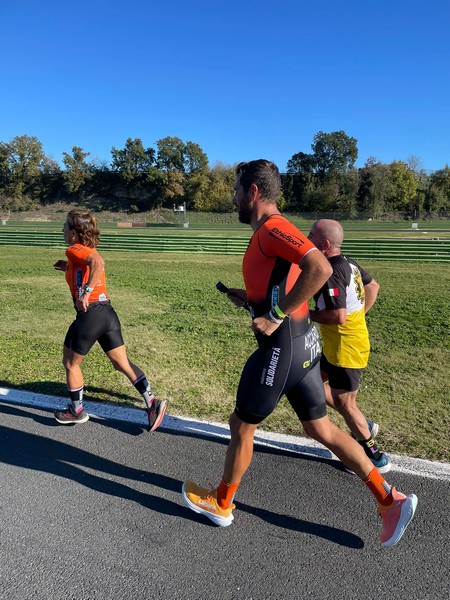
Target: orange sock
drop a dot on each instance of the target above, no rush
(225, 493)
(379, 488)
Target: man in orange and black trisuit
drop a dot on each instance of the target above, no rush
(96, 321)
(282, 269)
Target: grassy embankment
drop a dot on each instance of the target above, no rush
(164, 221)
(192, 342)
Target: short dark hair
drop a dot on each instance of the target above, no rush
(264, 174)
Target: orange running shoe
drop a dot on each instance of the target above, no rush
(396, 517)
(204, 502)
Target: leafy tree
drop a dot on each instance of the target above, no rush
(102, 182)
(299, 179)
(197, 169)
(133, 161)
(4, 165)
(405, 185)
(375, 189)
(441, 179)
(195, 187)
(23, 156)
(216, 192)
(174, 186)
(320, 197)
(78, 170)
(319, 181)
(175, 155)
(170, 154)
(183, 168)
(301, 164)
(346, 202)
(50, 180)
(333, 153)
(50, 166)
(195, 160)
(166, 187)
(437, 195)
(435, 199)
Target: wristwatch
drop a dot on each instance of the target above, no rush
(87, 288)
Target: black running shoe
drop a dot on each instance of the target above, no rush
(156, 414)
(66, 417)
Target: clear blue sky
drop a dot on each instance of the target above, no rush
(248, 79)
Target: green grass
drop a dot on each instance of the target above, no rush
(192, 343)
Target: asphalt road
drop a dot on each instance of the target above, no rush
(94, 511)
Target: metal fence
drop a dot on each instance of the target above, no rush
(430, 250)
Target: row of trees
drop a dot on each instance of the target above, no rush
(326, 180)
(141, 179)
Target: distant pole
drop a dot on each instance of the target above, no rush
(5, 217)
(182, 209)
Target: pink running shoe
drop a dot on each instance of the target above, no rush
(396, 517)
(68, 416)
(156, 414)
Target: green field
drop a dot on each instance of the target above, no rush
(192, 342)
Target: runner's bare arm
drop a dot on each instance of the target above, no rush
(371, 294)
(336, 316)
(96, 265)
(315, 272)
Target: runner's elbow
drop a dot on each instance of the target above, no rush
(325, 271)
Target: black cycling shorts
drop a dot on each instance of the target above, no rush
(341, 378)
(99, 323)
(287, 362)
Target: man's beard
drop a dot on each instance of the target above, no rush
(245, 213)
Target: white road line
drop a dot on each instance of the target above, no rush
(301, 445)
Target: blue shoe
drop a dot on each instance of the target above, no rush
(383, 464)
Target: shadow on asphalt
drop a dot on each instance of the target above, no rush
(332, 534)
(43, 454)
(259, 448)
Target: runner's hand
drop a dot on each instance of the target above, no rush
(82, 304)
(264, 325)
(61, 265)
(237, 297)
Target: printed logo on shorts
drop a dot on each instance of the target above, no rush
(271, 369)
